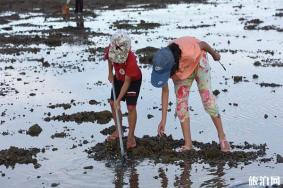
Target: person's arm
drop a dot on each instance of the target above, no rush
(123, 91)
(164, 102)
(206, 47)
(110, 71)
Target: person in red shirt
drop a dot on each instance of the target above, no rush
(127, 82)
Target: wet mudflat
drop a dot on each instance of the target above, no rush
(54, 114)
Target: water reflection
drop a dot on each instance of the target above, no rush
(129, 177)
(119, 177)
(80, 21)
(217, 179)
(184, 180)
(134, 177)
(163, 176)
(121, 173)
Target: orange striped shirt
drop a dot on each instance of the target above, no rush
(190, 56)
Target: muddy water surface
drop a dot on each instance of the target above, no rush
(46, 60)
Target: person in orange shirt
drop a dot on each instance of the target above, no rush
(78, 7)
(185, 60)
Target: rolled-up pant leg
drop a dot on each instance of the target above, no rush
(182, 91)
(203, 79)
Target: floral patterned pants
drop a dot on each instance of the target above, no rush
(182, 90)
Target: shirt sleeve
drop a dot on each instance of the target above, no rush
(132, 67)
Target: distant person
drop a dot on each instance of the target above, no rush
(185, 60)
(127, 82)
(78, 7)
(80, 22)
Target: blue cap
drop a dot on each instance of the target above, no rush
(163, 61)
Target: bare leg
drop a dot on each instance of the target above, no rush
(203, 79)
(187, 134)
(224, 144)
(132, 120)
(218, 124)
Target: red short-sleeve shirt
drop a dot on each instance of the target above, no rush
(129, 68)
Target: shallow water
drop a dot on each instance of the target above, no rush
(245, 122)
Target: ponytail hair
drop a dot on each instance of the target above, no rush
(176, 51)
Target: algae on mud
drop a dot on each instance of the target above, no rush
(165, 150)
(102, 117)
(14, 155)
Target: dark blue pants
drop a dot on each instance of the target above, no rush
(79, 6)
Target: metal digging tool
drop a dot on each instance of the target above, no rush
(222, 65)
(123, 155)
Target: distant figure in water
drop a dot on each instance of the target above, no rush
(126, 81)
(185, 60)
(78, 7)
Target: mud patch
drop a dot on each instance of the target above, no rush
(195, 26)
(52, 6)
(51, 40)
(216, 92)
(263, 84)
(102, 117)
(5, 88)
(19, 51)
(94, 102)
(146, 54)
(148, 4)
(164, 150)
(143, 25)
(254, 24)
(59, 135)
(14, 155)
(269, 62)
(110, 130)
(34, 130)
(279, 14)
(62, 105)
(238, 79)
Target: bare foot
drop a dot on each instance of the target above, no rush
(113, 136)
(186, 148)
(224, 145)
(131, 143)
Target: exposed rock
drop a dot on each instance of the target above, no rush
(216, 92)
(34, 130)
(237, 79)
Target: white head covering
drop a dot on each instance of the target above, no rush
(120, 45)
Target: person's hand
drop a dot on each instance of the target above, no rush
(117, 104)
(110, 78)
(161, 128)
(216, 56)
